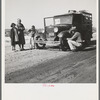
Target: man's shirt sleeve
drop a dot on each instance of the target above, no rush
(75, 36)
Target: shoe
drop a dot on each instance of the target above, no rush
(68, 50)
(74, 50)
(31, 48)
(22, 49)
(13, 49)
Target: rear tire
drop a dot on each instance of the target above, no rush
(87, 42)
(88, 39)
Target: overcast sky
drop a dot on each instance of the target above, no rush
(32, 12)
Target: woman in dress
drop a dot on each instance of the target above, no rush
(14, 36)
(21, 29)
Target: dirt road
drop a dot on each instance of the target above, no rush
(50, 66)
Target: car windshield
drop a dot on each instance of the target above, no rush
(57, 20)
(63, 20)
(49, 22)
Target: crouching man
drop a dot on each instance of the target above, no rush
(75, 41)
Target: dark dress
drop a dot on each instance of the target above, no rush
(14, 36)
(21, 29)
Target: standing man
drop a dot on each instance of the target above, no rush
(21, 29)
(76, 40)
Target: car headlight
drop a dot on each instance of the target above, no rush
(56, 29)
(43, 31)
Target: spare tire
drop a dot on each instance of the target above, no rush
(40, 44)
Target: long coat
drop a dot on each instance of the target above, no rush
(14, 36)
(21, 29)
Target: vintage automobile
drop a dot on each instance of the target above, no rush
(53, 27)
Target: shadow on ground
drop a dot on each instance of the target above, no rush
(91, 46)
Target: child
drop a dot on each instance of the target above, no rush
(32, 33)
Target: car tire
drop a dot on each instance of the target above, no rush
(87, 42)
(39, 45)
(62, 44)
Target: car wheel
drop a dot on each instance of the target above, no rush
(88, 39)
(87, 42)
(63, 45)
(39, 45)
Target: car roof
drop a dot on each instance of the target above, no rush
(73, 13)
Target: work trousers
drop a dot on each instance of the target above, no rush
(73, 44)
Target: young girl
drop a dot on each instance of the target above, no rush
(32, 33)
(14, 36)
